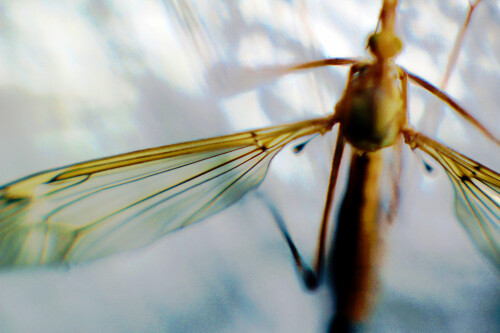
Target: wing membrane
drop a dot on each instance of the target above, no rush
(477, 194)
(97, 208)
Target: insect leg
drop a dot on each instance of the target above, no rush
(396, 166)
(454, 105)
(452, 60)
(396, 163)
(325, 62)
(307, 275)
(337, 157)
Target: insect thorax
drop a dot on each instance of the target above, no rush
(371, 111)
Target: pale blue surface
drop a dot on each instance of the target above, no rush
(87, 79)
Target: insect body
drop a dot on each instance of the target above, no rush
(372, 110)
(372, 114)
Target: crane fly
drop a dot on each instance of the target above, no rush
(93, 209)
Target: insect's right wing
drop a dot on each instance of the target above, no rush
(96, 208)
(477, 192)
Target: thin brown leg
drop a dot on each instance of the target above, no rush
(306, 274)
(325, 62)
(337, 157)
(454, 105)
(396, 167)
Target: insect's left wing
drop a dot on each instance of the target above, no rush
(477, 192)
(96, 208)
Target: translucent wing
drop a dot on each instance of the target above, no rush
(93, 209)
(477, 193)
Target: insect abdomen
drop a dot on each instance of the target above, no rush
(356, 258)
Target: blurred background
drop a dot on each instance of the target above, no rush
(86, 79)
